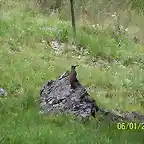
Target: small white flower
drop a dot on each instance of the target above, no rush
(98, 25)
(114, 15)
(126, 29)
(93, 26)
(79, 57)
(121, 27)
(43, 41)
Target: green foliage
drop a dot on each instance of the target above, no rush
(137, 5)
(26, 62)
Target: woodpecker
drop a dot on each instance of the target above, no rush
(72, 77)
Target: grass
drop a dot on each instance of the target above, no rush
(27, 61)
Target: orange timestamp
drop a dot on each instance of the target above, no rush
(130, 126)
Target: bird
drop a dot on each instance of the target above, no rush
(72, 77)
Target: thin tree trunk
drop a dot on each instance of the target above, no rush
(73, 18)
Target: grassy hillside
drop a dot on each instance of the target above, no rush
(27, 61)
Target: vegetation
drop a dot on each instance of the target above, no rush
(27, 61)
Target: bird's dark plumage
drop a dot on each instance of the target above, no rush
(72, 77)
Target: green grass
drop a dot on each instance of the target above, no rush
(26, 63)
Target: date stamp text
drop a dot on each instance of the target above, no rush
(130, 126)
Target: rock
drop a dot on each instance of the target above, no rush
(133, 116)
(57, 96)
(3, 92)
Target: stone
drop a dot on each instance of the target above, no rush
(56, 96)
(3, 92)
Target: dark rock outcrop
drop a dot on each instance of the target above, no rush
(56, 96)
